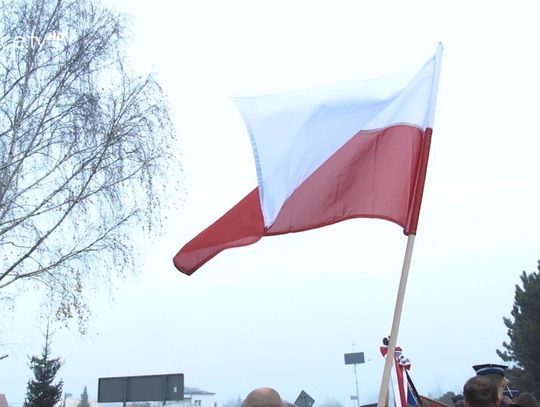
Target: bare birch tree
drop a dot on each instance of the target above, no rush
(84, 144)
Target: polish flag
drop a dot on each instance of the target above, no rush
(324, 155)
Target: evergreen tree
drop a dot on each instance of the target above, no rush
(233, 403)
(84, 399)
(524, 334)
(447, 398)
(41, 392)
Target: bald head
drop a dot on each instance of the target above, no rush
(263, 397)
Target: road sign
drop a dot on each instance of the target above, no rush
(141, 388)
(304, 400)
(354, 358)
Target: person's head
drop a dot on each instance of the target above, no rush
(479, 391)
(263, 397)
(495, 373)
(526, 400)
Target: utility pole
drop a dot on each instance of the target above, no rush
(357, 394)
(354, 359)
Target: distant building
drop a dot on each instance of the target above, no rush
(3, 400)
(193, 397)
(196, 397)
(74, 402)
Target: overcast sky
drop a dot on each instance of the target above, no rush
(283, 312)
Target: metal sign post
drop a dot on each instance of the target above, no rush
(355, 359)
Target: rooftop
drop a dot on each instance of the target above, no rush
(196, 390)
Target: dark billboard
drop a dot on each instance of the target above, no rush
(167, 387)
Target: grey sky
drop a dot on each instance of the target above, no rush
(282, 312)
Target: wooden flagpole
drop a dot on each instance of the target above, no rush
(383, 394)
(410, 229)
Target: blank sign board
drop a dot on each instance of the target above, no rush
(141, 388)
(354, 358)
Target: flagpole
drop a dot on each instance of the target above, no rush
(395, 323)
(410, 229)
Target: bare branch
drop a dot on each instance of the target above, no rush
(80, 138)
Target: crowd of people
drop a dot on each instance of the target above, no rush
(488, 388)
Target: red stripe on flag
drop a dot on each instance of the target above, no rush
(414, 213)
(376, 174)
(371, 176)
(241, 226)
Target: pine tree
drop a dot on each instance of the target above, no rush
(524, 334)
(41, 392)
(84, 399)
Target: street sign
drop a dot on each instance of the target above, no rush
(354, 358)
(141, 388)
(304, 400)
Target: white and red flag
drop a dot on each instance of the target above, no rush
(324, 155)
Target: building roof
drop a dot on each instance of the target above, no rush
(3, 400)
(196, 390)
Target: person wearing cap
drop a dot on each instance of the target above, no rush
(479, 391)
(495, 373)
